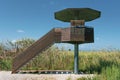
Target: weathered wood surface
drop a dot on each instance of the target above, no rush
(42, 44)
(57, 35)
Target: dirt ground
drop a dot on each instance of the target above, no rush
(6, 75)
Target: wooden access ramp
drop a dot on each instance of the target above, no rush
(53, 36)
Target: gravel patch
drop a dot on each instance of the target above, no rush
(6, 75)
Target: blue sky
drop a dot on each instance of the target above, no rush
(33, 18)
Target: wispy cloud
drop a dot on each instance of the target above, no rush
(20, 31)
(13, 41)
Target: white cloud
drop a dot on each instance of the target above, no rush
(13, 41)
(20, 31)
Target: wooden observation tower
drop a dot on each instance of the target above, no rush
(76, 34)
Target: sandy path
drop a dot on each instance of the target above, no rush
(6, 75)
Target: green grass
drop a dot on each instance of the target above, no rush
(5, 64)
(104, 63)
(55, 59)
(89, 62)
(108, 73)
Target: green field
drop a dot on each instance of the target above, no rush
(105, 64)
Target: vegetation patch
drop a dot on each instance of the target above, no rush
(104, 63)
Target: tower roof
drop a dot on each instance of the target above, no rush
(68, 14)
